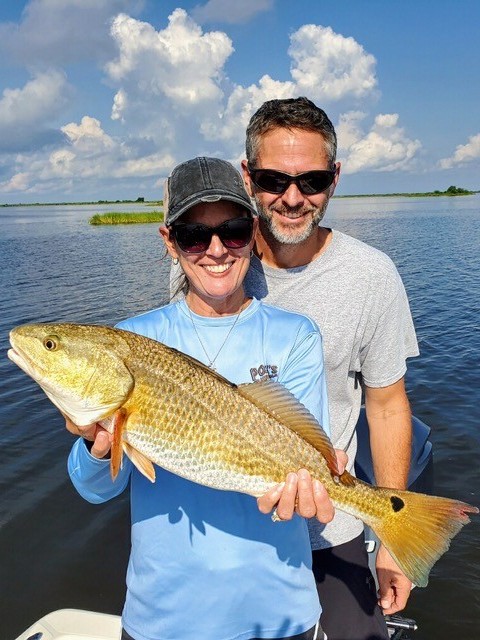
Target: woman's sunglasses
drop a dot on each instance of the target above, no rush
(309, 183)
(196, 238)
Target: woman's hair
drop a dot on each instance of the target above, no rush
(180, 286)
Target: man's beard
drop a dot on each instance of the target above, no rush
(290, 236)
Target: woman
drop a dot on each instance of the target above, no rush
(207, 564)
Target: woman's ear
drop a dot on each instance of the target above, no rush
(169, 243)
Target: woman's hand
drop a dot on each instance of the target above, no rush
(299, 494)
(101, 438)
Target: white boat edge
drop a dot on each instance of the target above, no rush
(77, 624)
(74, 624)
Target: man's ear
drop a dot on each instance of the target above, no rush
(246, 178)
(338, 166)
(169, 243)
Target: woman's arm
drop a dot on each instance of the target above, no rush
(89, 464)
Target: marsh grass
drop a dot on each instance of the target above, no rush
(127, 218)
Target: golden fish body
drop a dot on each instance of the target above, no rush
(164, 407)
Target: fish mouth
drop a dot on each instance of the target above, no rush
(17, 358)
(61, 400)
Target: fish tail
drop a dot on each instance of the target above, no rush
(417, 529)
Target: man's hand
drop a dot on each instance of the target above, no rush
(299, 494)
(101, 438)
(393, 587)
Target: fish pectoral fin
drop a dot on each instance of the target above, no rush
(143, 464)
(280, 403)
(116, 453)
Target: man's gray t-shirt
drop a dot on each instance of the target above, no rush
(356, 296)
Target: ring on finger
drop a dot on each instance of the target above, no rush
(275, 517)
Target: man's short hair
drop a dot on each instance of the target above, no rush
(291, 113)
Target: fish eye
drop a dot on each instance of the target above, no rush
(50, 343)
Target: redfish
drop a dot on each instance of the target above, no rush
(166, 408)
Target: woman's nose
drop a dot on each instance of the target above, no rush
(216, 247)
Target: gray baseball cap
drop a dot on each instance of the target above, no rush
(202, 180)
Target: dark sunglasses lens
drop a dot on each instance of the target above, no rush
(309, 183)
(270, 181)
(192, 238)
(315, 181)
(196, 238)
(236, 233)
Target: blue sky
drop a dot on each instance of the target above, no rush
(99, 99)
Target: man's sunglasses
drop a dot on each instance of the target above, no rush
(196, 238)
(309, 183)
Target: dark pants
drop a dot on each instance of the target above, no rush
(347, 593)
(307, 635)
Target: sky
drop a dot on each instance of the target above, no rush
(100, 99)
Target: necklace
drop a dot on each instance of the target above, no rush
(211, 361)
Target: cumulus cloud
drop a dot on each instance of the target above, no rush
(18, 182)
(180, 62)
(230, 11)
(120, 104)
(175, 71)
(327, 66)
(179, 71)
(241, 104)
(88, 157)
(62, 31)
(88, 136)
(385, 147)
(171, 99)
(168, 82)
(26, 113)
(91, 151)
(464, 153)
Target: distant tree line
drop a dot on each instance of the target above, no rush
(455, 191)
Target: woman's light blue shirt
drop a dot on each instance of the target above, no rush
(206, 564)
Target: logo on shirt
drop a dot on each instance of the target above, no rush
(264, 372)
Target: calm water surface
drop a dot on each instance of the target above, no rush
(58, 551)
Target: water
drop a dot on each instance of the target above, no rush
(58, 551)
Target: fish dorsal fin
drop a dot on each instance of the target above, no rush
(276, 400)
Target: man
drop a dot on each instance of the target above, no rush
(356, 296)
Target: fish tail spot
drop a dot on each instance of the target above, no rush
(397, 503)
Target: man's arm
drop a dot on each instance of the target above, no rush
(390, 425)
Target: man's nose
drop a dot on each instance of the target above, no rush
(293, 197)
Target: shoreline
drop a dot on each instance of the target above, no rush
(147, 203)
(159, 203)
(431, 194)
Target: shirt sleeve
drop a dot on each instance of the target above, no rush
(390, 340)
(304, 374)
(91, 476)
